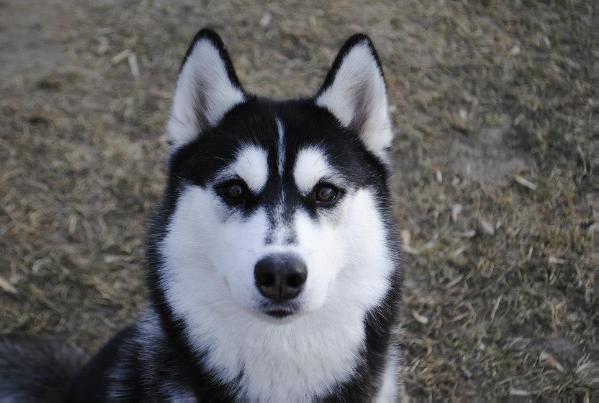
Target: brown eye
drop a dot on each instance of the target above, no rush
(325, 194)
(233, 191)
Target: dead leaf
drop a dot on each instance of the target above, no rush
(420, 318)
(486, 227)
(7, 286)
(555, 260)
(133, 65)
(519, 392)
(549, 361)
(525, 182)
(265, 20)
(120, 56)
(467, 234)
(456, 210)
(406, 237)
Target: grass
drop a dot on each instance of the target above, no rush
(500, 295)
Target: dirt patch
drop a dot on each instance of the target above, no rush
(490, 157)
(31, 42)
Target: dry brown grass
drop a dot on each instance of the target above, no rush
(496, 157)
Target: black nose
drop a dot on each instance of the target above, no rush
(280, 277)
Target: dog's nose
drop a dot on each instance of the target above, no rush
(280, 277)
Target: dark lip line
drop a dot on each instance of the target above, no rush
(279, 313)
(280, 310)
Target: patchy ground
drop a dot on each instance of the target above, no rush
(497, 151)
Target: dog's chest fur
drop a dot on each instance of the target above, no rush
(285, 365)
(326, 360)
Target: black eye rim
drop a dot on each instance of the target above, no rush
(338, 194)
(222, 188)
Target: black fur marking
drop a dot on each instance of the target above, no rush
(36, 370)
(94, 381)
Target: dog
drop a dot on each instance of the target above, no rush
(273, 258)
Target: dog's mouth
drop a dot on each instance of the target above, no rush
(280, 311)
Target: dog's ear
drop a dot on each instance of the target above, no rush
(354, 91)
(206, 89)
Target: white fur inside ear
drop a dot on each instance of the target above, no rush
(204, 93)
(358, 98)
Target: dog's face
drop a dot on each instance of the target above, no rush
(276, 209)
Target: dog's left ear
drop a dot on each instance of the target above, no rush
(207, 88)
(354, 91)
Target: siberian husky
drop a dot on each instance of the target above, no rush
(273, 261)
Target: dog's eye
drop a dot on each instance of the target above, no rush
(325, 194)
(234, 190)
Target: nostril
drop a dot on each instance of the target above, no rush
(265, 278)
(296, 280)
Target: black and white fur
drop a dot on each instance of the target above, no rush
(208, 334)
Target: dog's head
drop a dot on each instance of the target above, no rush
(276, 208)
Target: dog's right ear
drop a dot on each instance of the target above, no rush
(206, 89)
(354, 91)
